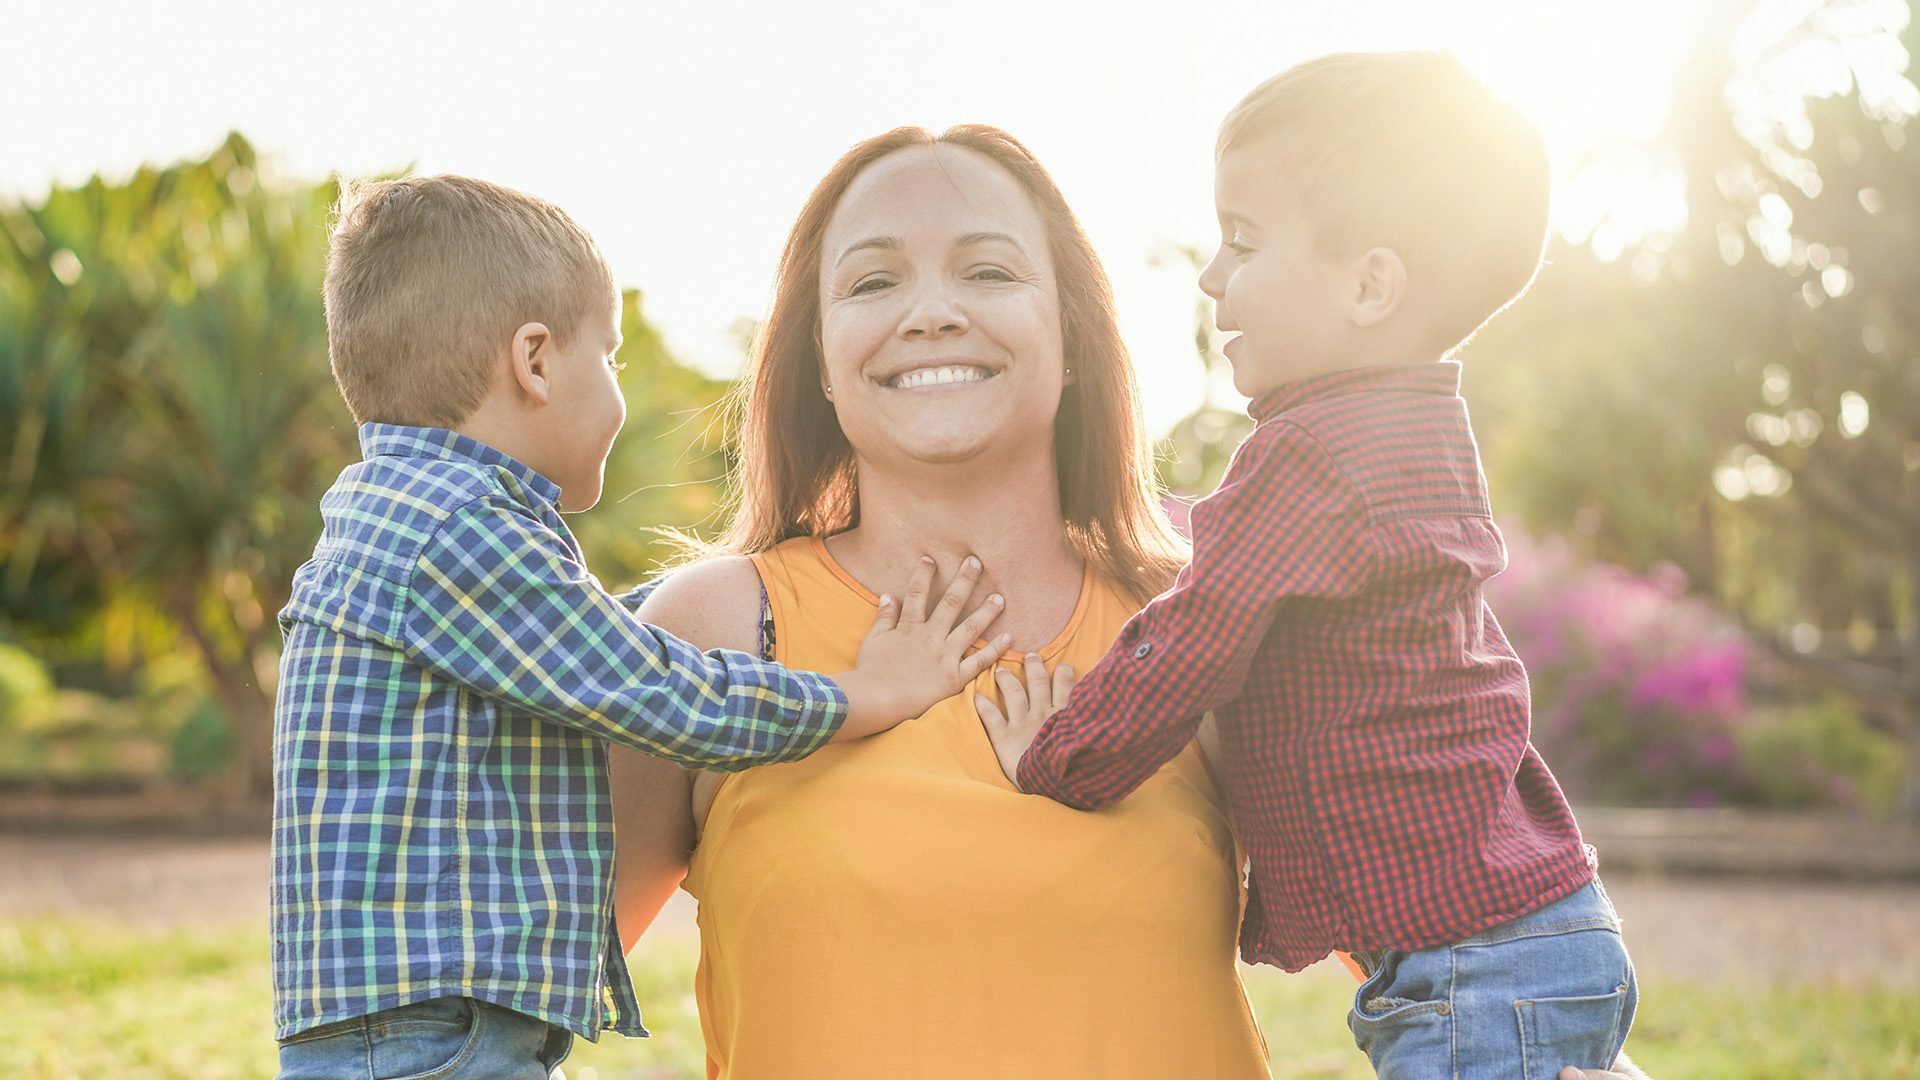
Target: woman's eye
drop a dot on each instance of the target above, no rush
(991, 273)
(867, 285)
(1239, 248)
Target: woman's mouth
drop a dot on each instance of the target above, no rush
(943, 375)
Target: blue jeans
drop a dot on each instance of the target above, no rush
(449, 1038)
(1552, 988)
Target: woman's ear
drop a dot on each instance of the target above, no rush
(530, 358)
(1379, 286)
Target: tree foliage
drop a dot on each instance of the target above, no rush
(169, 423)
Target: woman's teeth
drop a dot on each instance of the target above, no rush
(937, 377)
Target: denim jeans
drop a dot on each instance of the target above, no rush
(1551, 988)
(449, 1038)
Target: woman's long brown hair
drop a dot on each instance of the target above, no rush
(796, 471)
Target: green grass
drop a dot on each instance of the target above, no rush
(86, 999)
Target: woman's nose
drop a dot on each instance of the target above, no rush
(933, 314)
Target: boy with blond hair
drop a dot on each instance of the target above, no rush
(443, 835)
(1375, 210)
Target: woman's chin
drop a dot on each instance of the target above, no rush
(932, 449)
(946, 427)
(927, 444)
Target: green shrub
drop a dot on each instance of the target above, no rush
(1821, 753)
(26, 690)
(202, 746)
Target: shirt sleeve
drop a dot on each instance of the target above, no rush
(634, 597)
(1285, 525)
(502, 606)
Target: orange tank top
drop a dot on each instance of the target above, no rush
(892, 907)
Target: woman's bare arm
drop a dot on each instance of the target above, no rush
(715, 605)
(652, 837)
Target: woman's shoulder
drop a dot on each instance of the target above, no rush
(713, 603)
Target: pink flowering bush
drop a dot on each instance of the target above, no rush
(1643, 694)
(1639, 691)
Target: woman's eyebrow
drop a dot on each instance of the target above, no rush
(883, 243)
(973, 238)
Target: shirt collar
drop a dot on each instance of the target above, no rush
(396, 440)
(1430, 377)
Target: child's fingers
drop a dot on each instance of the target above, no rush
(1038, 695)
(1062, 685)
(1012, 693)
(984, 657)
(954, 600)
(989, 713)
(976, 624)
(918, 586)
(886, 618)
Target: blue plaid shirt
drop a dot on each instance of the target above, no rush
(441, 816)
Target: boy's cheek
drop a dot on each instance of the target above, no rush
(1254, 373)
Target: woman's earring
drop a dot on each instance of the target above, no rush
(829, 391)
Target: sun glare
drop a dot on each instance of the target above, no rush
(693, 194)
(1598, 80)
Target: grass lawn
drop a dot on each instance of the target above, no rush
(89, 998)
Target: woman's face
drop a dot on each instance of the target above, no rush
(939, 313)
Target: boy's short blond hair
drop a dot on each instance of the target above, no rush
(1408, 151)
(427, 279)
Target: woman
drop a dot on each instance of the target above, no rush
(941, 373)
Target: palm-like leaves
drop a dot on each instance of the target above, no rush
(163, 357)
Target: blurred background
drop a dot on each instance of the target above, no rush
(1702, 429)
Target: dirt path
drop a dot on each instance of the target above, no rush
(1691, 928)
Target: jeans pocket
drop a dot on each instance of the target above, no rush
(1402, 1017)
(326, 1031)
(425, 1041)
(1583, 1031)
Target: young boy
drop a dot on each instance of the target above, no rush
(443, 844)
(1375, 210)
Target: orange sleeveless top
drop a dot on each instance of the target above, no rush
(892, 907)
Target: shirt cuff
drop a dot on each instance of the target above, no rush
(1040, 772)
(822, 713)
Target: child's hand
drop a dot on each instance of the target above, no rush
(914, 657)
(1027, 708)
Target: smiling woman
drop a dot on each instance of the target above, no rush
(965, 239)
(940, 273)
(912, 394)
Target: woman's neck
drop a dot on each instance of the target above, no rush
(1010, 519)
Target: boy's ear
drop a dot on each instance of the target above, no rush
(1379, 286)
(530, 358)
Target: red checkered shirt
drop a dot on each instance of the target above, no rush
(1373, 717)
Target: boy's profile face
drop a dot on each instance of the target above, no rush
(587, 410)
(1288, 302)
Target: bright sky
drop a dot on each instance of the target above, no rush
(685, 136)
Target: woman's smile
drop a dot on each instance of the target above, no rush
(939, 376)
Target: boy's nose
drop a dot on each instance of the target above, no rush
(1213, 278)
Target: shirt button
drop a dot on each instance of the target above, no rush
(1140, 651)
